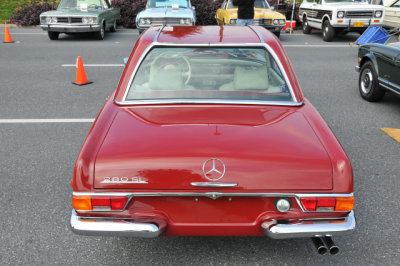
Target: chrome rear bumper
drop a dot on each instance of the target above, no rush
(310, 228)
(91, 227)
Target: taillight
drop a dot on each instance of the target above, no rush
(99, 203)
(327, 204)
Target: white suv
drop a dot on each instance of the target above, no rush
(337, 16)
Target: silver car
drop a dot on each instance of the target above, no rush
(166, 12)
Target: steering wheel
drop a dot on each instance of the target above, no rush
(167, 55)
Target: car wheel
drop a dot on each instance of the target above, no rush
(53, 35)
(100, 34)
(277, 33)
(328, 32)
(368, 83)
(306, 28)
(114, 26)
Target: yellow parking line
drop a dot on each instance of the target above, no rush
(392, 132)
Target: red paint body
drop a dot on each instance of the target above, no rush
(266, 149)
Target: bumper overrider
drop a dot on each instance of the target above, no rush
(70, 28)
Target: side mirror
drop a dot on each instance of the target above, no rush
(126, 60)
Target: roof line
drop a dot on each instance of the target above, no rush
(158, 33)
(257, 33)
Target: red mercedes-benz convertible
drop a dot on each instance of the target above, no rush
(208, 134)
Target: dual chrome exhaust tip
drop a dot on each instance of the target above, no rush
(325, 244)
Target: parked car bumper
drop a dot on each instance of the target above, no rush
(102, 227)
(119, 227)
(70, 28)
(310, 228)
(352, 23)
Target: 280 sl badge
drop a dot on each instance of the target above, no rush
(124, 180)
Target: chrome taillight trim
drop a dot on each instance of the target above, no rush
(215, 195)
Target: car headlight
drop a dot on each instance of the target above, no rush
(233, 21)
(42, 20)
(51, 20)
(141, 21)
(185, 21)
(276, 21)
(282, 22)
(340, 14)
(147, 21)
(378, 13)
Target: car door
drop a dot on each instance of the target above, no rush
(219, 16)
(108, 13)
(396, 77)
(388, 63)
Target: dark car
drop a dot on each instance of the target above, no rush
(379, 67)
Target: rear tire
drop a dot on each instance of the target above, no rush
(113, 28)
(328, 32)
(53, 35)
(277, 33)
(306, 28)
(368, 83)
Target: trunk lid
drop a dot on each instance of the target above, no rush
(165, 147)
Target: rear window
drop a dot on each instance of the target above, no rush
(209, 73)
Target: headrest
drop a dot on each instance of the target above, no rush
(166, 77)
(250, 78)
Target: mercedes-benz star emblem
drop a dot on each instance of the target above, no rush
(214, 169)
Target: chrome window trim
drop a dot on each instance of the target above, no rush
(124, 101)
(258, 33)
(155, 39)
(212, 195)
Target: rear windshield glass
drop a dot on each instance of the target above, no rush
(209, 73)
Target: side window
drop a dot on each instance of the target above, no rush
(224, 4)
(106, 4)
(318, 2)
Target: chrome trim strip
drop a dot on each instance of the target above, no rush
(213, 184)
(208, 193)
(180, 101)
(211, 101)
(157, 35)
(98, 227)
(389, 85)
(310, 229)
(257, 32)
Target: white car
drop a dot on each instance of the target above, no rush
(337, 16)
(392, 15)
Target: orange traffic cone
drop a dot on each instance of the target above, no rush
(7, 36)
(80, 73)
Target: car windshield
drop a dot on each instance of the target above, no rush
(167, 3)
(209, 73)
(257, 4)
(80, 4)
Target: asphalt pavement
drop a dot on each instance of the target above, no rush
(37, 159)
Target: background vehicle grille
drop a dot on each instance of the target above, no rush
(169, 21)
(62, 20)
(76, 20)
(69, 20)
(359, 14)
